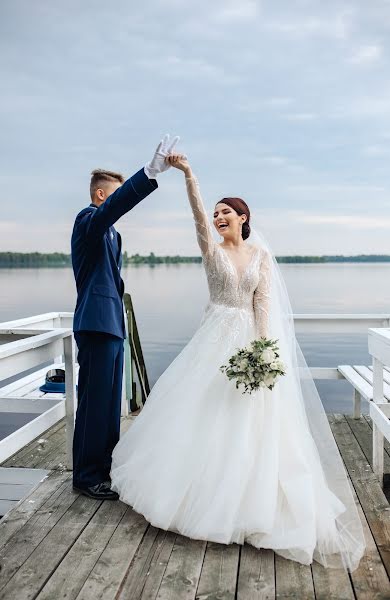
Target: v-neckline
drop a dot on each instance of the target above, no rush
(244, 271)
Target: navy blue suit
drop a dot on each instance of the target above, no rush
(99, 329)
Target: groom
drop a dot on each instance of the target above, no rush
(99, 326)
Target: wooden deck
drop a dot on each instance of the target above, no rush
(57, 544)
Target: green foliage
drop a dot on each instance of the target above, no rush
(33, 259)
(152, 259)
(58, 259)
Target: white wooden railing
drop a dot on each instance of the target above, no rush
(48, 337)
(27, 344)
(379, 348)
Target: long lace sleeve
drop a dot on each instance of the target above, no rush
(261, 297)
(202, 223)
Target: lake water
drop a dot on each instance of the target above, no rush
(169, 301)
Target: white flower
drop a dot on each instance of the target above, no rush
(268, 356)
(243, 364)
(274, 365)
(269, 380)
(280, 364)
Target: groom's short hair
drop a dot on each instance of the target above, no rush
(99, 176)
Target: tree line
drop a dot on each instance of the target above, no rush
(59, 259)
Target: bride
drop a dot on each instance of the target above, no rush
(206, 461)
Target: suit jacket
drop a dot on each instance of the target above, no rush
(97, 258)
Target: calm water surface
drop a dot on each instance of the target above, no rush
(169, 301)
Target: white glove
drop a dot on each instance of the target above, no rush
(158, 164)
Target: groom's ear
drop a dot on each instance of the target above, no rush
(99, 192)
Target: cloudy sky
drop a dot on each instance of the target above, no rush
(283, 102)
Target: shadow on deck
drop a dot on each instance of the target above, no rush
(58, 544)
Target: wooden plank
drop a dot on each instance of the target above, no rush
(256, 576)
(219, 572)
(363, 433)
(25, 457)
(22, 476)
(15, 520)
(25, 434)
(35, 342)
(379, 413)
(45, 320)
(331, 584)
(293, 580)
(181, 577)
(20, 457)
(30, 353)
(325, 373)
(77, 564)
(386, 443)
(21, 545)
(109, 571)
(56, 459)
(26, 383)
(14, 492)
(379, 346)
(52, 453)
(368, 375)
(32, 575)
(366, 484)
(71, 395)
(370, 579)
(357, 381)
(147, 568)
(27, 405)
(386, 373)
(33, 455)
(7, 505)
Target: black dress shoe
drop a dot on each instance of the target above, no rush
(100, 491)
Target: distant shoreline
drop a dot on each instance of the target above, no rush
(30, 260)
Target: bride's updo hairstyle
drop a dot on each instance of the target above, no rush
(241, 208)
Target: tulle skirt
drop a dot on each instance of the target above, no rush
(206, 461)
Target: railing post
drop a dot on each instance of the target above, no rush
(70, 394)
(377, 435)
(124, 402)
(357, 404)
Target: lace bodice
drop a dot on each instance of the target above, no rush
(248, 289)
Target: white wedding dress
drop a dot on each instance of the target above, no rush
(204, 460)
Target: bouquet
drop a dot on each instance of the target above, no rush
(257, 366)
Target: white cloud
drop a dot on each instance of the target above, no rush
(191, 69)
(366, 55)
(337, 26)
(270, 98)
(273, 160)
(376, 150)
(243, 10)
(303, 116)
(361, 222)
(277, 104)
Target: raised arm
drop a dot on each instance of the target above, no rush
(203, 228)
(261, 297)
(202, 223)
(120, 202)
(95, 224)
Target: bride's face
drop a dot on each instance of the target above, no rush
(226, 221)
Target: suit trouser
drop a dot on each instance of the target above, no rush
(100, 356)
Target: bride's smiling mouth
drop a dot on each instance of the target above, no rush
(222, 226)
